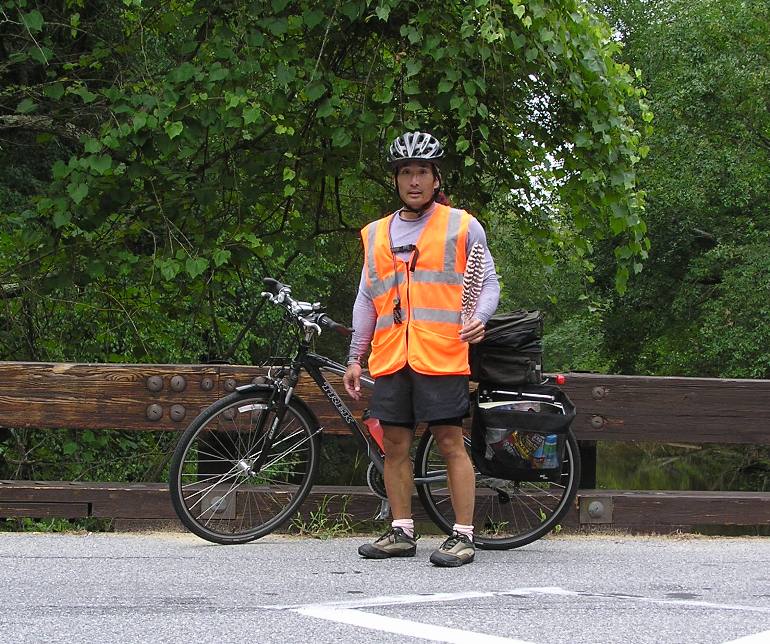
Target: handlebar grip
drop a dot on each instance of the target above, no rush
(273, 285)
(330, 324)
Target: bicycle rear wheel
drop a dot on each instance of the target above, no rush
(216, 493)
(507, 514)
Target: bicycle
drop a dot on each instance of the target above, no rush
(244, 466)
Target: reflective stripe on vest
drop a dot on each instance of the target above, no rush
(428, 339)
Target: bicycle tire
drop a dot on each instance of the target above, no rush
(213, 491)
(507, 514)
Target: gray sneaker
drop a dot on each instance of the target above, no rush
(455, 551)
(394, 543)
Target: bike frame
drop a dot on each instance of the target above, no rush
(315, 364)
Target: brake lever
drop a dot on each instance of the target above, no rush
(310, 325)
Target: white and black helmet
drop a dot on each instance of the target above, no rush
(415, 146)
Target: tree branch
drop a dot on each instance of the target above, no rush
(39, 123)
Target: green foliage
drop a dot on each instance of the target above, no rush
(652, 466)
(201, 146)
(55, 525)
(699, 308)
(85, 455)
(324, 523)
(158, 159)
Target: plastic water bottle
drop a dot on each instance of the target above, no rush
(375, 429)
(550, 452)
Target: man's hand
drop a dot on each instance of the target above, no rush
(352, 381)
(472, 332)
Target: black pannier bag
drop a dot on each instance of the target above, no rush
(511, 352)
(519, 434)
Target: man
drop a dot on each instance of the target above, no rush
(408, 307)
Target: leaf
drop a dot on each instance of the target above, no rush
(383, 11)
(69, 448)
(85, 94)
(54, 91)
(173, 129)
(383, 94)
(278, 26)
(341, 138)
(195, 266)
(325, 109)
(411, 87)
(26, 106)
(445, 86)
(583, 140)
(61, 218)
(313, 17)
(288, 174)
(169, 268)
(60, 169)
(279, 5)
(100, 164)
(33, 20)
(78, 191)
(140, 120)
(220, 256)
(284, 74)
(315, 90)
(218, 72)
(413, 67)
(183, 73)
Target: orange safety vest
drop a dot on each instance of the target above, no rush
(430, 292)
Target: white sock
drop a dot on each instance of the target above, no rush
(407, 525)
(466, 530)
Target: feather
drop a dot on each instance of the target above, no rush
(472, 281)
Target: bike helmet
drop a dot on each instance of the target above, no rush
(415, 146)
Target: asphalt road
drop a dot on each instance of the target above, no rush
(172, 587)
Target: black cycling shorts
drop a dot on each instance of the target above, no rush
(406, 398)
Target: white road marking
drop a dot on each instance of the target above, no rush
(680, 602)
(393, 600)
(372, 621)
(350, 612)
(757, 638)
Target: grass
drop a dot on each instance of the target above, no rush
(323, 523)
(54, 525)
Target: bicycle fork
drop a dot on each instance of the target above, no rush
(276, 403)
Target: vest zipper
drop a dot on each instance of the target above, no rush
(408, 311)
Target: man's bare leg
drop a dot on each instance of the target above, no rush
(462, 480)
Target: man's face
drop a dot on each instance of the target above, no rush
(416, 183)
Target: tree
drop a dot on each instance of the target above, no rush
(698, 308)
(201, 145)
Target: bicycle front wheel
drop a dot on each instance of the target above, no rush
(215, 489)
(507, 514)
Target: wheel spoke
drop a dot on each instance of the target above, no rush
(215, 491)
(507, 513)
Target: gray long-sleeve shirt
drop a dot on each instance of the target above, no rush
(404, 232)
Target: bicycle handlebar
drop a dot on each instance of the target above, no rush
(326, 321)
(308, 314)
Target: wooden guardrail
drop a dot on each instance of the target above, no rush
(167, 397)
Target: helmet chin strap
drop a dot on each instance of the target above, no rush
(421, 210)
